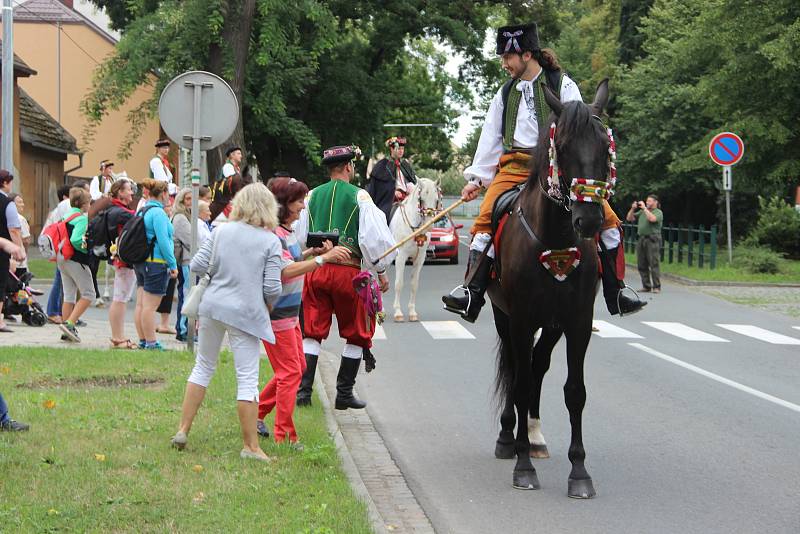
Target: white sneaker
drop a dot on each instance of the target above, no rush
(99, 303)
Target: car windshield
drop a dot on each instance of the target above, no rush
(444, 222)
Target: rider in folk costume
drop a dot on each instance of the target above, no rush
(228, 183)
(341, 208)
(392, 178)
(518, 112)
(160, 167)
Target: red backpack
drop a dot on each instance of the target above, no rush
(55, 239)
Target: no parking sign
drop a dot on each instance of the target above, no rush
(726, 149)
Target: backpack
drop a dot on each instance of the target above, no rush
(55, 239)
(132, 245)
(99, 235)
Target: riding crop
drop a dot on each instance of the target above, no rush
(421, 229)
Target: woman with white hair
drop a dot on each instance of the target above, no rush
(243, 258)
(182, 222)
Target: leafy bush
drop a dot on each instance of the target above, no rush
(757, 260)
(452, 180)
(778, 227)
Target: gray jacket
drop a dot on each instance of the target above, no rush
(245, 278)
(182, 235)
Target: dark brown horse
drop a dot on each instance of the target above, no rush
(549, 216)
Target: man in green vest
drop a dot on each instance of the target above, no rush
(339, 207)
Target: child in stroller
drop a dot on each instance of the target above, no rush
(19, 300)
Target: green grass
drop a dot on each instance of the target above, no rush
(41, 268)
(725, 272)
(52, 479)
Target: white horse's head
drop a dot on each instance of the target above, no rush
(429, 198)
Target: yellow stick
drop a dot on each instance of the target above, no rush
(422, 228)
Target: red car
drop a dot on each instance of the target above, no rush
(444, 241)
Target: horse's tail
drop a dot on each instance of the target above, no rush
(506, 370)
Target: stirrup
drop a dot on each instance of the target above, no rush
(619, 294)
(462, 313)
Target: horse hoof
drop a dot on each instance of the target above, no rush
(504, 451)
(413, 318)
(539, 451)
(398, 318)
(580, 489)
(525, 480)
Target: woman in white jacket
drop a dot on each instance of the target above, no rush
(246, 262)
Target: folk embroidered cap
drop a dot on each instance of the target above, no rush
(340, 154)
(231, 150)
(396, 141)
(518, 39)
(162, 142)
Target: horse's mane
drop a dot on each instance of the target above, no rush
(574, 118)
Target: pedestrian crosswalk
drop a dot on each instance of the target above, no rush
(713, 333)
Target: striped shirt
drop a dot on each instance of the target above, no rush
(285, 313)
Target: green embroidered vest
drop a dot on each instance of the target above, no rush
(334, 208)
(512, 98)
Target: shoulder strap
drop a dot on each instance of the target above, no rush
(506, 90)
(71, 217)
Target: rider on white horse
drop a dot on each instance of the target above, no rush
(392, 178)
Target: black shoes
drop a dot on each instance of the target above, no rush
(305, 390)
(345, 380)
(262, 429)
(469, 305)
(623, 305)
(13, 426)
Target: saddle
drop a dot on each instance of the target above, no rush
(502, 208)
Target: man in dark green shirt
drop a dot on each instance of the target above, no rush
(649, 220)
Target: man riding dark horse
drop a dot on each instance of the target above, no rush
(392, 178)
(517, 114)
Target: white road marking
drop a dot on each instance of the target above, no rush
(613, 331)
(684, 332)
(796, 327)
(380, 333)
(447, 330)
(760, 334)
(718, 378)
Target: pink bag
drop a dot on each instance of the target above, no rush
(369, 293)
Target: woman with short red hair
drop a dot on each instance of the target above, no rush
(286, 355)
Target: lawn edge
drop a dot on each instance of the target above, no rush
(347, 462)
(726, 283)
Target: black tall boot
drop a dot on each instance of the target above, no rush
(616, 302)
(469, 306)
(307, 382)
(345, 381)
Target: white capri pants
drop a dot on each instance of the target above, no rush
(246, 352)
(75, 277)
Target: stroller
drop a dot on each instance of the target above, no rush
(19, 300)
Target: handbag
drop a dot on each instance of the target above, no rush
(191, 306)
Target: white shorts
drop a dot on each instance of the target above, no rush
(124, 284)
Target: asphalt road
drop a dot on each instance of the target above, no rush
(682, 435)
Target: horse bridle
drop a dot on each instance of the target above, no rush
(580, 189)
(423, 210)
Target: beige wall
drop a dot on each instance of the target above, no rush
(36, 44)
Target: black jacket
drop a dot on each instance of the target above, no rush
(382, 181)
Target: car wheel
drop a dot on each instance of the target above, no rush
(454, 260)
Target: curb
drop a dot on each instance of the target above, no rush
(700, 283)
(348, 464)
(368, 463)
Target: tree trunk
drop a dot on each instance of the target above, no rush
(233, 49)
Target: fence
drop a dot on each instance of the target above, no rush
(681, 244)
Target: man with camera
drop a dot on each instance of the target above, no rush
(649, 219)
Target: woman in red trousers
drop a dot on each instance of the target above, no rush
(286, 354)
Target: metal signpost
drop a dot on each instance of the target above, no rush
(726, 149)
(198, 111)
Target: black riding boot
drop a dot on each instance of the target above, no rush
(469, 306)
(307, 382)
(616, 302)
(345, 381)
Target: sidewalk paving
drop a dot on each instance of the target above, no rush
(96, 335)
(783, 300)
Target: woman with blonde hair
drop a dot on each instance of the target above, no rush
(182, 222)
(243, 259)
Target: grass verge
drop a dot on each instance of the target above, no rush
(725, 272)
(97, 457)
(41, 268)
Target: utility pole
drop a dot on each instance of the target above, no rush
(7, 143)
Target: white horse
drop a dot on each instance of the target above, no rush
(417, 209)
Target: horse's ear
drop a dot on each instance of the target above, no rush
(600, 97)
(438, 183)
(552, 100)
